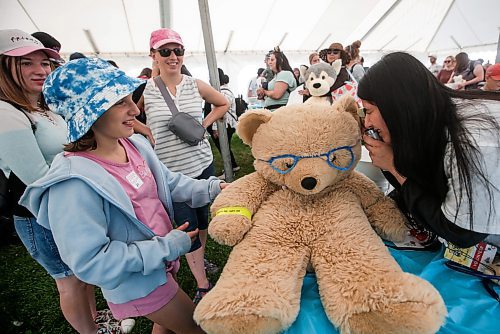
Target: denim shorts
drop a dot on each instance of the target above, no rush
(41, 245)
(197, 217)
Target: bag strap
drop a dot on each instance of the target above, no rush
(232, 116)
(32, 124)
(226, 89)
(166, 96)
(351, 76)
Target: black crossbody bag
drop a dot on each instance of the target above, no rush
(183, 125)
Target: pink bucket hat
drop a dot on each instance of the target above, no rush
(16, 43)
(163, 36)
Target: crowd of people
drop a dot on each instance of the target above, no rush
(459, 72)
(142, 199)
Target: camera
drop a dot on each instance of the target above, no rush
(373, 134)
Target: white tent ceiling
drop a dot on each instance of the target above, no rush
(123, 26)
(244, 28)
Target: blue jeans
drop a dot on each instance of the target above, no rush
(197, 217)
(41, 245)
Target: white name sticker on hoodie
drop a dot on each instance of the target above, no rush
(134, 180)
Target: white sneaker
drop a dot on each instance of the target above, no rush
(127, 325)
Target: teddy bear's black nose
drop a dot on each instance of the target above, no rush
(317, 85)
(309, 183)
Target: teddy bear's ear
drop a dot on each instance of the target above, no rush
(347, 104)
(249, 122)
(337, 65)
(303, 70)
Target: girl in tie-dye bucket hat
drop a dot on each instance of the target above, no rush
(108, 199)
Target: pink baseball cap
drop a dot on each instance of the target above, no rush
(163, 36)
(16, 43)
(494, 71)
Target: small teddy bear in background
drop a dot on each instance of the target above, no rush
(319, 78)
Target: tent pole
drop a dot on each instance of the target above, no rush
(439, 26)
(214, 81)
(497, 60)
(323, 42)
(165, 13)
(380, 20)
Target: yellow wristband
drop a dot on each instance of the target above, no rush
(235, 210)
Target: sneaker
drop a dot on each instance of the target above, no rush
(237, 168)
(201, 292)
(107, 324)
(222, 177)
(105, 317)
(210, 267)
(109, 329)
(127, 325)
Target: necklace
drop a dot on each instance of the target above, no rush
(45, 114)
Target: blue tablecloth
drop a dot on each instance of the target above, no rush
(471, 309)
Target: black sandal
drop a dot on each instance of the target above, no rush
(201, 292)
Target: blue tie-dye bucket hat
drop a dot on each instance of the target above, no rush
(83, 89)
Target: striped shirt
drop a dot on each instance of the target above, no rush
(177, 155)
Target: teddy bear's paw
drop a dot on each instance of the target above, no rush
(241, 324)
(229, 229)
(388, 221)
(393, 232)
(415, 307)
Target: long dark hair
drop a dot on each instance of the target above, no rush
(223, 78)
(282, 63)
(421, 115)
(462, 61)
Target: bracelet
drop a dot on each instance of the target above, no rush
(235, 210)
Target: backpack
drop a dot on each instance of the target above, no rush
(241, 105)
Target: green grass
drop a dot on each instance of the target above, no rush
(29, 301)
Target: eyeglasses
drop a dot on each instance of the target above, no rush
(167, 52)
(447, 61)
(333, 51)
(340, 158)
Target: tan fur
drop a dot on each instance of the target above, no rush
(331, 228)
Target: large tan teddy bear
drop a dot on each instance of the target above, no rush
(306, 208)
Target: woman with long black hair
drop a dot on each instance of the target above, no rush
(440, 148)
(278, 90)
